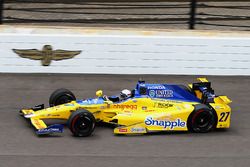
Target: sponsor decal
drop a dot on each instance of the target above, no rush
(156, 87)
(152, 93)
(123, 130)
(165, 123)
(219, 107)
(149, 110)
(46, 55)
(161, 93)
(102, 107)
(53, 128)
(159, 100)
(163, 105)
(124, 106)
(138, 130)
(164, 100)
(165, 93)
(52, 115)
(47, 130)
(127, 111)
(37, 123)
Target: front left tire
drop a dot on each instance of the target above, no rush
(81, 123)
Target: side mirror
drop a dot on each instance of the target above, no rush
(99, 93)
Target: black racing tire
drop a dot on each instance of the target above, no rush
(61, 96)
(202, 119)
(81, 123)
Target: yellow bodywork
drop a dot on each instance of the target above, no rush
(136, 115)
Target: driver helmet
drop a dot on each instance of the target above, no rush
(125, 93)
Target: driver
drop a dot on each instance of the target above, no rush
(125, 94)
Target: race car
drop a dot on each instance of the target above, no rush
(147, 108)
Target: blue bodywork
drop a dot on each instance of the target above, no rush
(90, 101)
(164, 91)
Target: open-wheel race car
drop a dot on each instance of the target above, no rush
(147, 108)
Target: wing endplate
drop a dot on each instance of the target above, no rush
(222, 99)
(38, 123)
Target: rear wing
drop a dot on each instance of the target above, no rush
(204, 91)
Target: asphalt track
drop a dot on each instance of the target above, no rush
(19, 146)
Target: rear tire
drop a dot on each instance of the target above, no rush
(202, 119)
(81, 123)
(61, 96)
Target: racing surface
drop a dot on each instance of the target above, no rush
(19, 146)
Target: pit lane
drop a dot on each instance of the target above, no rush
(19, 146)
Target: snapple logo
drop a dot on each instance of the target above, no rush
(165, 124)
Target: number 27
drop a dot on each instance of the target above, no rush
(224, 116)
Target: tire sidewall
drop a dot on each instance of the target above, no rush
(81, 114)
(59, 93)
(202, 109)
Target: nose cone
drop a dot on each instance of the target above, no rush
(29, 115)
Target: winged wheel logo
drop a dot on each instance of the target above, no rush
(47, 54)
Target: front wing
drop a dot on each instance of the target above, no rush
(40, 126)
(37, 114)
